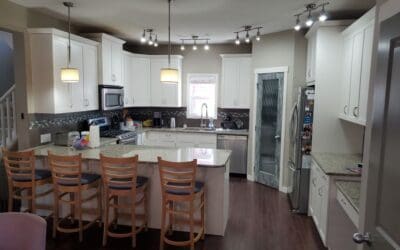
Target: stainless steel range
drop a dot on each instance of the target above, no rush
(123, 136)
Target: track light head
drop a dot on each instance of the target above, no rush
(237, 40)
(206, 46)
(182, 47)
(194, 47)
(143, 38)
(258, 36)
(310, 20)
(297, 27)
(247, 38)
(323, 16)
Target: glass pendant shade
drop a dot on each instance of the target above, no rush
(70, 75)
(169, 76)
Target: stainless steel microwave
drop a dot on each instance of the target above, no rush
(111, 97)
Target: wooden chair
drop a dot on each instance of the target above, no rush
(69, 180)
(120, 180)
(22, 176)
(178, 185)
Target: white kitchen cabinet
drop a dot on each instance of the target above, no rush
(180, 140)
(311, 57)
(165, 95)
(357, 57)
(110, 59)
(318, 201)
(48, 54)
(127, 78)
(236, 81)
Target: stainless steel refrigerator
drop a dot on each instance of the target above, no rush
(300, 149)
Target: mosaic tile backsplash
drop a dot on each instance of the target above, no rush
(52, 123)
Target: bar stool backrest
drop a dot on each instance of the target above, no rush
(177, 177)
(66, 170)
(19, 165)
(119, 172)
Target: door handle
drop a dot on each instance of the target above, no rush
(360, 238)
(277, 137)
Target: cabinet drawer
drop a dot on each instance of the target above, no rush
(348, 208)
(159, 136)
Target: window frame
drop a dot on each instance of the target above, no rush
(188, 83)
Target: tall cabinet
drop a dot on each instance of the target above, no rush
(48, 54)
(236, 81)
(357, 58)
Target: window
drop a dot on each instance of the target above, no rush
(202, 88)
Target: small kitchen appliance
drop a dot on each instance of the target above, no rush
(111, 97)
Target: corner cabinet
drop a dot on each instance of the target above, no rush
(48, 54)
(236, 81)
(165, 95)
(357, 58)
(110, 58)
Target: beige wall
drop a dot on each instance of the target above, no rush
(16, 19)
(286, 48)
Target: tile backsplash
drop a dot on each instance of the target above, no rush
(52, 123)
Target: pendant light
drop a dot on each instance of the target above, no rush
(68, 74)
(169, 75)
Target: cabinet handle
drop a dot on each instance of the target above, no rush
(356, 111)
(113, 78)
(345, 108)
(313, 182)
(133, 99)
(320, 191)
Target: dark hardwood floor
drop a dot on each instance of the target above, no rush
(259, 220)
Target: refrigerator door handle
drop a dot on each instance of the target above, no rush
(291, 166)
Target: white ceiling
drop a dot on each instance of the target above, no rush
(217, 19)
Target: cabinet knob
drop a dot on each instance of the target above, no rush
(345, 108)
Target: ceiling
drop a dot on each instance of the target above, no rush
(216, 19)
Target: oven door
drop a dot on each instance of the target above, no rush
(111, 98)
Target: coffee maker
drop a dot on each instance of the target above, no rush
(157, 120)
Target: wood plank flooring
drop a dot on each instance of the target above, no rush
(259, 220)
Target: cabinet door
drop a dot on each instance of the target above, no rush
(365, 72)
(127, 80)
(90, 81)
(323, 193)
(116, 63)
(141, 82)
(62, 91)
(77, 88)
(314, 201)
(346, 77)
(243, 94)
(164, 95)
(355, 78)
(106, 52)
(229, 84)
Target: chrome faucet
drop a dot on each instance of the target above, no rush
(202, 123)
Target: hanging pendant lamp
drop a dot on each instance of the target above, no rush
(169, 75)
(68, 74)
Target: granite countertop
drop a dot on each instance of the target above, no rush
(337, 164)
(205, 157)
(218, 131)
(351, 190)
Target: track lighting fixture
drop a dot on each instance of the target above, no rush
(195, 39)
(310, 19)
(247, 29)
(149, 40)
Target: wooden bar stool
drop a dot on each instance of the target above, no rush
(69, 180)
(22, 176)
(179, 185)
(120, 180)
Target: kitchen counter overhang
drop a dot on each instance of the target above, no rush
(213, 170)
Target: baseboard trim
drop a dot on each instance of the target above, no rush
(283, 189)
(250, 177)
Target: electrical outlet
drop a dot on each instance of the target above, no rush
(45, 138)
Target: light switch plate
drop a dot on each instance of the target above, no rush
(45, 138)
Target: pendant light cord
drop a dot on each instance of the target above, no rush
(69, 36)
(169, 33)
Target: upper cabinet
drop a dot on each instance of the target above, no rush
(357, 58)
(236, 81)
(141, 81)
(136, 80)
(48, 54)
(110, 59)
(311, 57)
(165, 95)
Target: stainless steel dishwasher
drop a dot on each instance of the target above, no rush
(238, 145)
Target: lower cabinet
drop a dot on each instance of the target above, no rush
(318, 202)
(180, 140)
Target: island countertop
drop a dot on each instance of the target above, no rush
(206, 157)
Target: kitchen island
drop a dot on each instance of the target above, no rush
(213, 170)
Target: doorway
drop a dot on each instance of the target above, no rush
(268, 127)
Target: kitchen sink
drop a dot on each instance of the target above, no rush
(198, 129)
